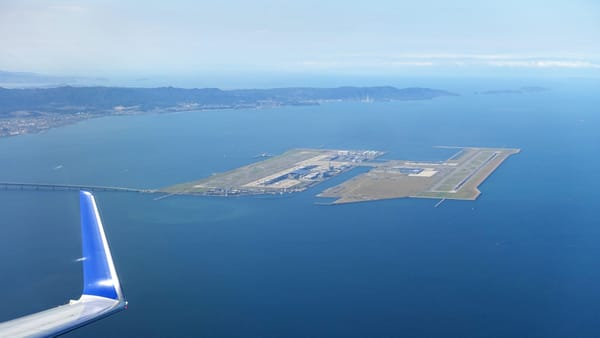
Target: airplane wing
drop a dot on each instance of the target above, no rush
(101, 296)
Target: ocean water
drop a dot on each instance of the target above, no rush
(521, 261)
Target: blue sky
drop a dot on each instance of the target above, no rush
(328, 37)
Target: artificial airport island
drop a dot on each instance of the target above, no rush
(296, 170)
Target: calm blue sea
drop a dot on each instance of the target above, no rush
(521, 261)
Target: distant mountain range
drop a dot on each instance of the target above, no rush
(31, 80)
(118, 99)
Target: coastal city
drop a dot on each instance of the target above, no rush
(34, 123)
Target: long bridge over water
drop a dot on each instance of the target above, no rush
(53, 186)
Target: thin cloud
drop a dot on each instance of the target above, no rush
(365, 61)
(544, 64)
(412, 63)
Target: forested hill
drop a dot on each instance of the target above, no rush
(110, 99)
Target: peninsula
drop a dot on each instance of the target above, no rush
(35, 109)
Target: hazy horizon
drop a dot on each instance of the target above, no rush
(109, 39)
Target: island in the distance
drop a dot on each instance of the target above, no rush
(32, 110)
(296, 170)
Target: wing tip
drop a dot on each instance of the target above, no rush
(100, 276)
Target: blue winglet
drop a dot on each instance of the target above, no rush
(99, 274)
